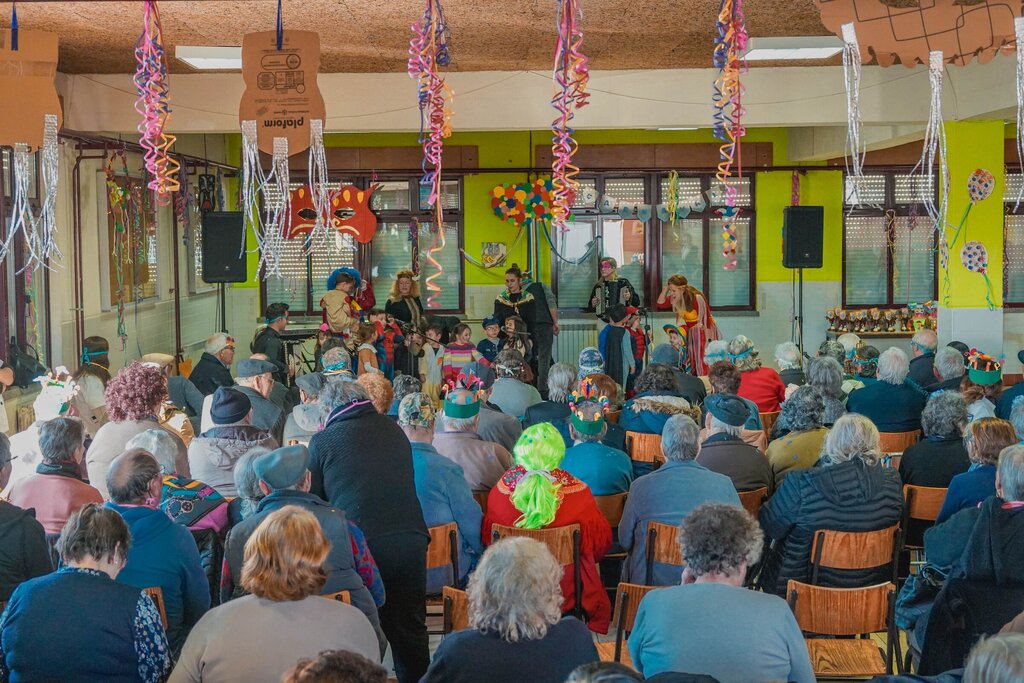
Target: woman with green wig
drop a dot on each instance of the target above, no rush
(535, 494)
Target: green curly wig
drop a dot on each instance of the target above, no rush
(540, 447)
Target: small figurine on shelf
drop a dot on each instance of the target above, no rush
(876, 319)
(891, 316)
(830, 316)
(905, 320)
(843, 324)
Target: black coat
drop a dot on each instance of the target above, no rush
(400, 309)
(24, 553)
(934, 461)
(269, 343)
(921, 370)
(209, 373)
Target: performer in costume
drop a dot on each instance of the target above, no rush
(693, 315)
(92, 377)
(611, 290)
(536, 305)
(340, 305)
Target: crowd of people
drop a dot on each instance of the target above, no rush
(205, 528)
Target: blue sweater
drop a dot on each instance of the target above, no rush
(605, 470)
(967, 490)
(164, 554)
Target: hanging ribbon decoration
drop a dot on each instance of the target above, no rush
(1018, 27)
(153, 105)
(934, 151)
(14, 26)
(591, 247)
(730, 45)
(428, 50)
(855, 149)
(498, 262)
(571, 74)
(672, 199)
(119, 203)
(319, 188)
(271, 230)
(414, 246)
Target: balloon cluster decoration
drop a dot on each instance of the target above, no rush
(154, 106)
(571, 74)
(525, 203)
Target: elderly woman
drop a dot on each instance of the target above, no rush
(941, 454)
(107, 630)
(744, 635)
(801, 433)
(509, 392)
(187, 501)
(865, 364)
(790, 363)
(535, 494)
(304, 420)
(379, 389)
(247, 484)
(891, 403)
(761, 385)
(657, 399)
(984, 438)
(403, 386)
(242, 640)
(689, 387)
(516, 628)
(848, 491)
(561, 382)
(826, 375)
(604, 469)
(134, 397)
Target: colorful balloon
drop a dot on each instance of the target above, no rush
(980, 185)
(974, 256)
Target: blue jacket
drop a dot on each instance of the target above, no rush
(967, 490)
(892, 408)
(605, 470)
(445, 497)
(164, 554)
(667, 495)
(1005, 404)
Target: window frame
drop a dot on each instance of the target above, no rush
(1009, 209)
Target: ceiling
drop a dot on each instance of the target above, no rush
(486, 35)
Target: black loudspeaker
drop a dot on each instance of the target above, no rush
(803, 229)
(223, 241)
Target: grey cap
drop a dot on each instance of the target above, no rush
(283, 467)
(728, 408)
(311, 383)
(251, 367)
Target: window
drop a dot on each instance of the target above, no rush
(646, 257)
(1013, 242)
(889, 241)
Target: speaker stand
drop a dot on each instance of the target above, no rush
(223, 307)
(800, 311)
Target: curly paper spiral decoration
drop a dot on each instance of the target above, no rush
(571, 74)
(153, 105)
(730, 45)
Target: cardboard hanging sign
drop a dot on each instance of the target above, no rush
(281, 92)
(27, 88)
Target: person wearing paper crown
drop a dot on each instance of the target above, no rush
(537, 494)
(982, 385)
(611, 289)
(604, 469)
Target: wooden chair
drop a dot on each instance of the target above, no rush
(768, 421)
(481, 499)
(897, 442)
(157, 595)
(921, 503)
(752, 500)
(846, 612)
(564, 544)
(662, 546)
(644, 448)
(891, 461)
(340, 596)
(456, 609)
(854, 550)
(627, 602)
(611, 507)
(443, 551)
(613, 416)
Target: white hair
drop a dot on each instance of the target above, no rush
(460, 424)
(850, 342)
(715, 351)
(949, 363)
(561, 380)
(215, 342)
(893, 366)
(926, 340)
(743, 353)
(787, 356)
(160, 444)
(852, 436)
(998, 659)
(718, 426)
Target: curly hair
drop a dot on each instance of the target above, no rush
(606, 386)
(414, 290)
(719, 539)
(743, 353)
(803, 410)
(509, 363)
(833, 349)
(945, 414)
(379, 389)
(336, 666)
(135, 392)
(655, 378)
(724, 377)
(405, 385)
(987, 437)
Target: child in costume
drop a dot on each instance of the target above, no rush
(430, 367)
(639, 339)
(516, 337)
(458, 353)
(616, 346)
(489, 346)
(365, 336)
(340, 310)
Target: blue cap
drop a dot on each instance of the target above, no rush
(728, 408)
(282, 468)
(229, 406)
(488, 321)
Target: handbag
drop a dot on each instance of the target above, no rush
(24, 360)
(918, 594)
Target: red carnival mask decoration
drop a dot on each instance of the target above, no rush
(303, 213)
(349, 211)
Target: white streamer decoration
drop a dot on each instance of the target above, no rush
(855, 149)
(934, 150)
(38, 231)
(1018, 28)
(319, 190)
(271, 230)
(253, 181)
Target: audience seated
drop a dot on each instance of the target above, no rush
(590, 362)
(801, 423)
(482, 462)
(715, 351)
(615, 437)
(997, 659)
(603, 672)
(214, 367)
(982, 386)
(304, 419)
(555, 410)
(378, 493)
(54, 400)
(57, 489)
(337, 666)
(535, 494)
(891, 403)
(948, 370)
(689, 387)
(985, 438)
(442, 490)
(287, 561)
(162, 553)
(1010, 396)
(24, 552)
(724, 378)
(922, 363)
(516, 629)
(378, 388)
(255, 379)
(724, 452)
(667, 495)
(941, 454)
(655, 402)
(737, 634)
(403, 386)
(180, 390)
(133, 399)
(865, 364)
(759, 384)
(605, 470)
(212, 456)
(280, 395)
(848, 491)
(826, 375)
(78, 624)
(1017, 419)
(509, 392)
(495, 425)
(92, 377)
(790, 364)
(247, 484)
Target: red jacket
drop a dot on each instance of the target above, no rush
(764, 387)
(577, 506)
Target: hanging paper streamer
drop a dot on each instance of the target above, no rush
(1018, 27)
(730, 45)
(253, 182)
(38, 231)
(436, 245)
(934, 152)
(414, 246)
(855, 148)
(974, 256)
(274, 237)
(119, 203)
(571, 74)
(154, 107)
(672, 200)
(572, 262)
(320, 191)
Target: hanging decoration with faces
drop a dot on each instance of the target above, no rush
(30, 122)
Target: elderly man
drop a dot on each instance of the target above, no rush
(162, 553)
(442, 490)
(405, 385)
(214, 367)
(362, 463)
(269, 343)
(56, 490)
(667, 495)
(790, 364)
(922, 363)
(561, 382)
(496, 426)
(689, 387)
(891, 403)
(54, 400)
(212, 455)
(304, 420)
(22, 539)
(604, 469)
(256, 380)
(725, 452)
(948, 368)
(284, 479)
(482, 462)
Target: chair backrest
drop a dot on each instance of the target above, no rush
(157, 595)
(611, 507)
(897, 442)
(562, 541)
(627, 602)
(853, 549)
(644, 447)
(443, 550)
(752, 500)
(768, 420)
(923, 502)
(340, 596)
(841, 611)
(456, 609)
(481, 499)
(613, 416)
(662, 546)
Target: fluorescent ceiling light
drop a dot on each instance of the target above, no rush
(793, 48)
(679, 128)
(207, 57)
